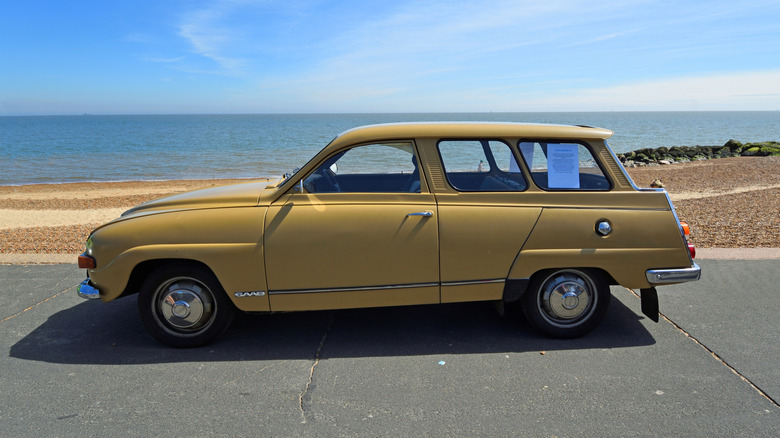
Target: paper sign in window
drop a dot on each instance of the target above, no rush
(563, 170)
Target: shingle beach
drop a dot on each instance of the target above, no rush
(728, 202)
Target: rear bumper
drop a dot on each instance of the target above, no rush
(669, 276)
(87, 291)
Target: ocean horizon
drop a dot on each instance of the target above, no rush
(104, 148)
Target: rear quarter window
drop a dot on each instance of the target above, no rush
(563, 166)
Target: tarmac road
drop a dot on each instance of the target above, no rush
(83, 368)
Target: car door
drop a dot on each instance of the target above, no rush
(484, 218)
(358, 231)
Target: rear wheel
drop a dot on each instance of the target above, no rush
(184, 305)
(566, 303)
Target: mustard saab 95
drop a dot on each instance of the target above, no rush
(402, 214)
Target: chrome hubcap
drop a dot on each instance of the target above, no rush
(568, 300)
(566, 297)
(185, 304)
(181, 309)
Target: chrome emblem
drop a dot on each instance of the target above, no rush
(259, 293)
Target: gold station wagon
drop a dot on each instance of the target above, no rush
(402, 214)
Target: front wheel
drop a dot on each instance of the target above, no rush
(566, 303)
(184, 305)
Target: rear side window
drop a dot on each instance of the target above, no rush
(563, 166)
(481, 166)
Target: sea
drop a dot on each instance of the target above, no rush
(86, 148)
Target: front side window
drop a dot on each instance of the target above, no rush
(481, 166)
(563, 166)
(372, 168)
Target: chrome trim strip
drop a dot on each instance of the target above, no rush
(679, 225)
(622, 168)
(87, 291)
(473, 282)
(662, 276)
(350, 289)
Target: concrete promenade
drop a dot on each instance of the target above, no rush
(78, 368)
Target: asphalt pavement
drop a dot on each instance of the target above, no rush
(85, 368)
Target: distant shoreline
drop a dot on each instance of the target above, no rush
(384, 113)
(141, 181)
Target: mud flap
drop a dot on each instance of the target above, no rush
(649, 299)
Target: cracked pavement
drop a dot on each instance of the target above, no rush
(83, 368)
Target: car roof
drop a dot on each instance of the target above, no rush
(398, 131)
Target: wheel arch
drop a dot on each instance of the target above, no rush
(238, 268)
(142, 270)
(514, 289)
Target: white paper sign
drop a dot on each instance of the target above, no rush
(563, 170)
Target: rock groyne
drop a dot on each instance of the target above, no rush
(685, 154)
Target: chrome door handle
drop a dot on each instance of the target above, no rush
(421, 213)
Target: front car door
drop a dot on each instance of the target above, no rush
(360, 231)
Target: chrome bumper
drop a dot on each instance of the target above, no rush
(87, 291)
(666, 276)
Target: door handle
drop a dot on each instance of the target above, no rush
(421, 213)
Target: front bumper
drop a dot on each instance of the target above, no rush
(669, 276)
(87, 291)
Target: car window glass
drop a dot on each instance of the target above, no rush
(481, 165)
(384, 167)
(563, 166)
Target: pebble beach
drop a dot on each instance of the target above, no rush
(728, 203)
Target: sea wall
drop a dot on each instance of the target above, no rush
(685, 154)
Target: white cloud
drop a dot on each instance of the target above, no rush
(165, 60)
(726, 92)
(209, 37)
(759, 90)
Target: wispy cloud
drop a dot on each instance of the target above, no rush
(165, 60)
(210, 35)
(138, 37)
(602, 38)
(724, 91)
(407, 55)
(413, 47)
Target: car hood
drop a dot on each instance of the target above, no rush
(236, 195)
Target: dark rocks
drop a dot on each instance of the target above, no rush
(684, 154)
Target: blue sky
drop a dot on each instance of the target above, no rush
(266, 56)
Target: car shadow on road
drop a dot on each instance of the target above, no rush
(111, 333)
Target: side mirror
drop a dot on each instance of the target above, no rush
(298, 187)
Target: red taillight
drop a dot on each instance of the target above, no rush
(86, 262)
(686, 230)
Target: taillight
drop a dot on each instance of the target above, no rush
(687, 232)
